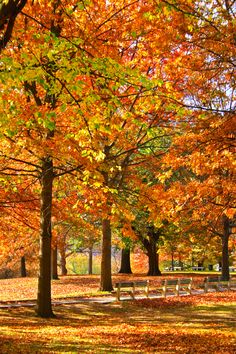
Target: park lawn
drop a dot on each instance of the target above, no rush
(73, 285)
(66, 286)
(190, 324)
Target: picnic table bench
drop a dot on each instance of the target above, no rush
(173, 268)
(211, 283)
(131, 287)
(185, 284)
(172, 285)
(198, 268)
(232, 283)
(176, 285)
(218, 284)
(169, 285)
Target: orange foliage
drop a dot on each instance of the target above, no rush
(110, 89)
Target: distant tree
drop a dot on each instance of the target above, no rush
(149, 236)
(125, 267)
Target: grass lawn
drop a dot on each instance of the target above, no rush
(190, 324)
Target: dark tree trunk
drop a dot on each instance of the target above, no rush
(90, 261)
(225, 248)
(54, 264)
(180, 263)
(44, 305)
(106, 280)
(125, 267)
(63, 261)
(172, 260)
(153, 260)
(23, 267)
(8, 13)
(150, 243)
(152, 247)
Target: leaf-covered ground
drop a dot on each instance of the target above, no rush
(190, 324)
(69, 286)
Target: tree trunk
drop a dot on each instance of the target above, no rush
(225, 249)
(172, 260)
(180, 263)
(8, 13)
(106, 281)
(153, 260)
(23, 267)
(90, 261)
(44, 305)
(54, 264)
(63, 261)
(125, 267)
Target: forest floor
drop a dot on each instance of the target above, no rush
(203, 323)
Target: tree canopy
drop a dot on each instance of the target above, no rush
(112, 107)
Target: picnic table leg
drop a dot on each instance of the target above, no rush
(132, 293)
(147, 289)
(177, 289)
(118, 293)
(164, 291)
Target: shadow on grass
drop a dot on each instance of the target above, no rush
(120, 328)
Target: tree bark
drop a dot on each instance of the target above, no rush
(44, 305)
(151, 246)
(54, 264)
(106, 280)
(225, 248)
(172, 260)
(63, 261)
(125, 267)
(153, 260)
(23, 267)
(90, 261)
(8, 13)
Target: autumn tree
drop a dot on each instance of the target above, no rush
(67, 89)
(128, 104)
(19, 240)
(86, 94)
(126, 245)
(151, 233)
(205, 144)
(28, 140)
